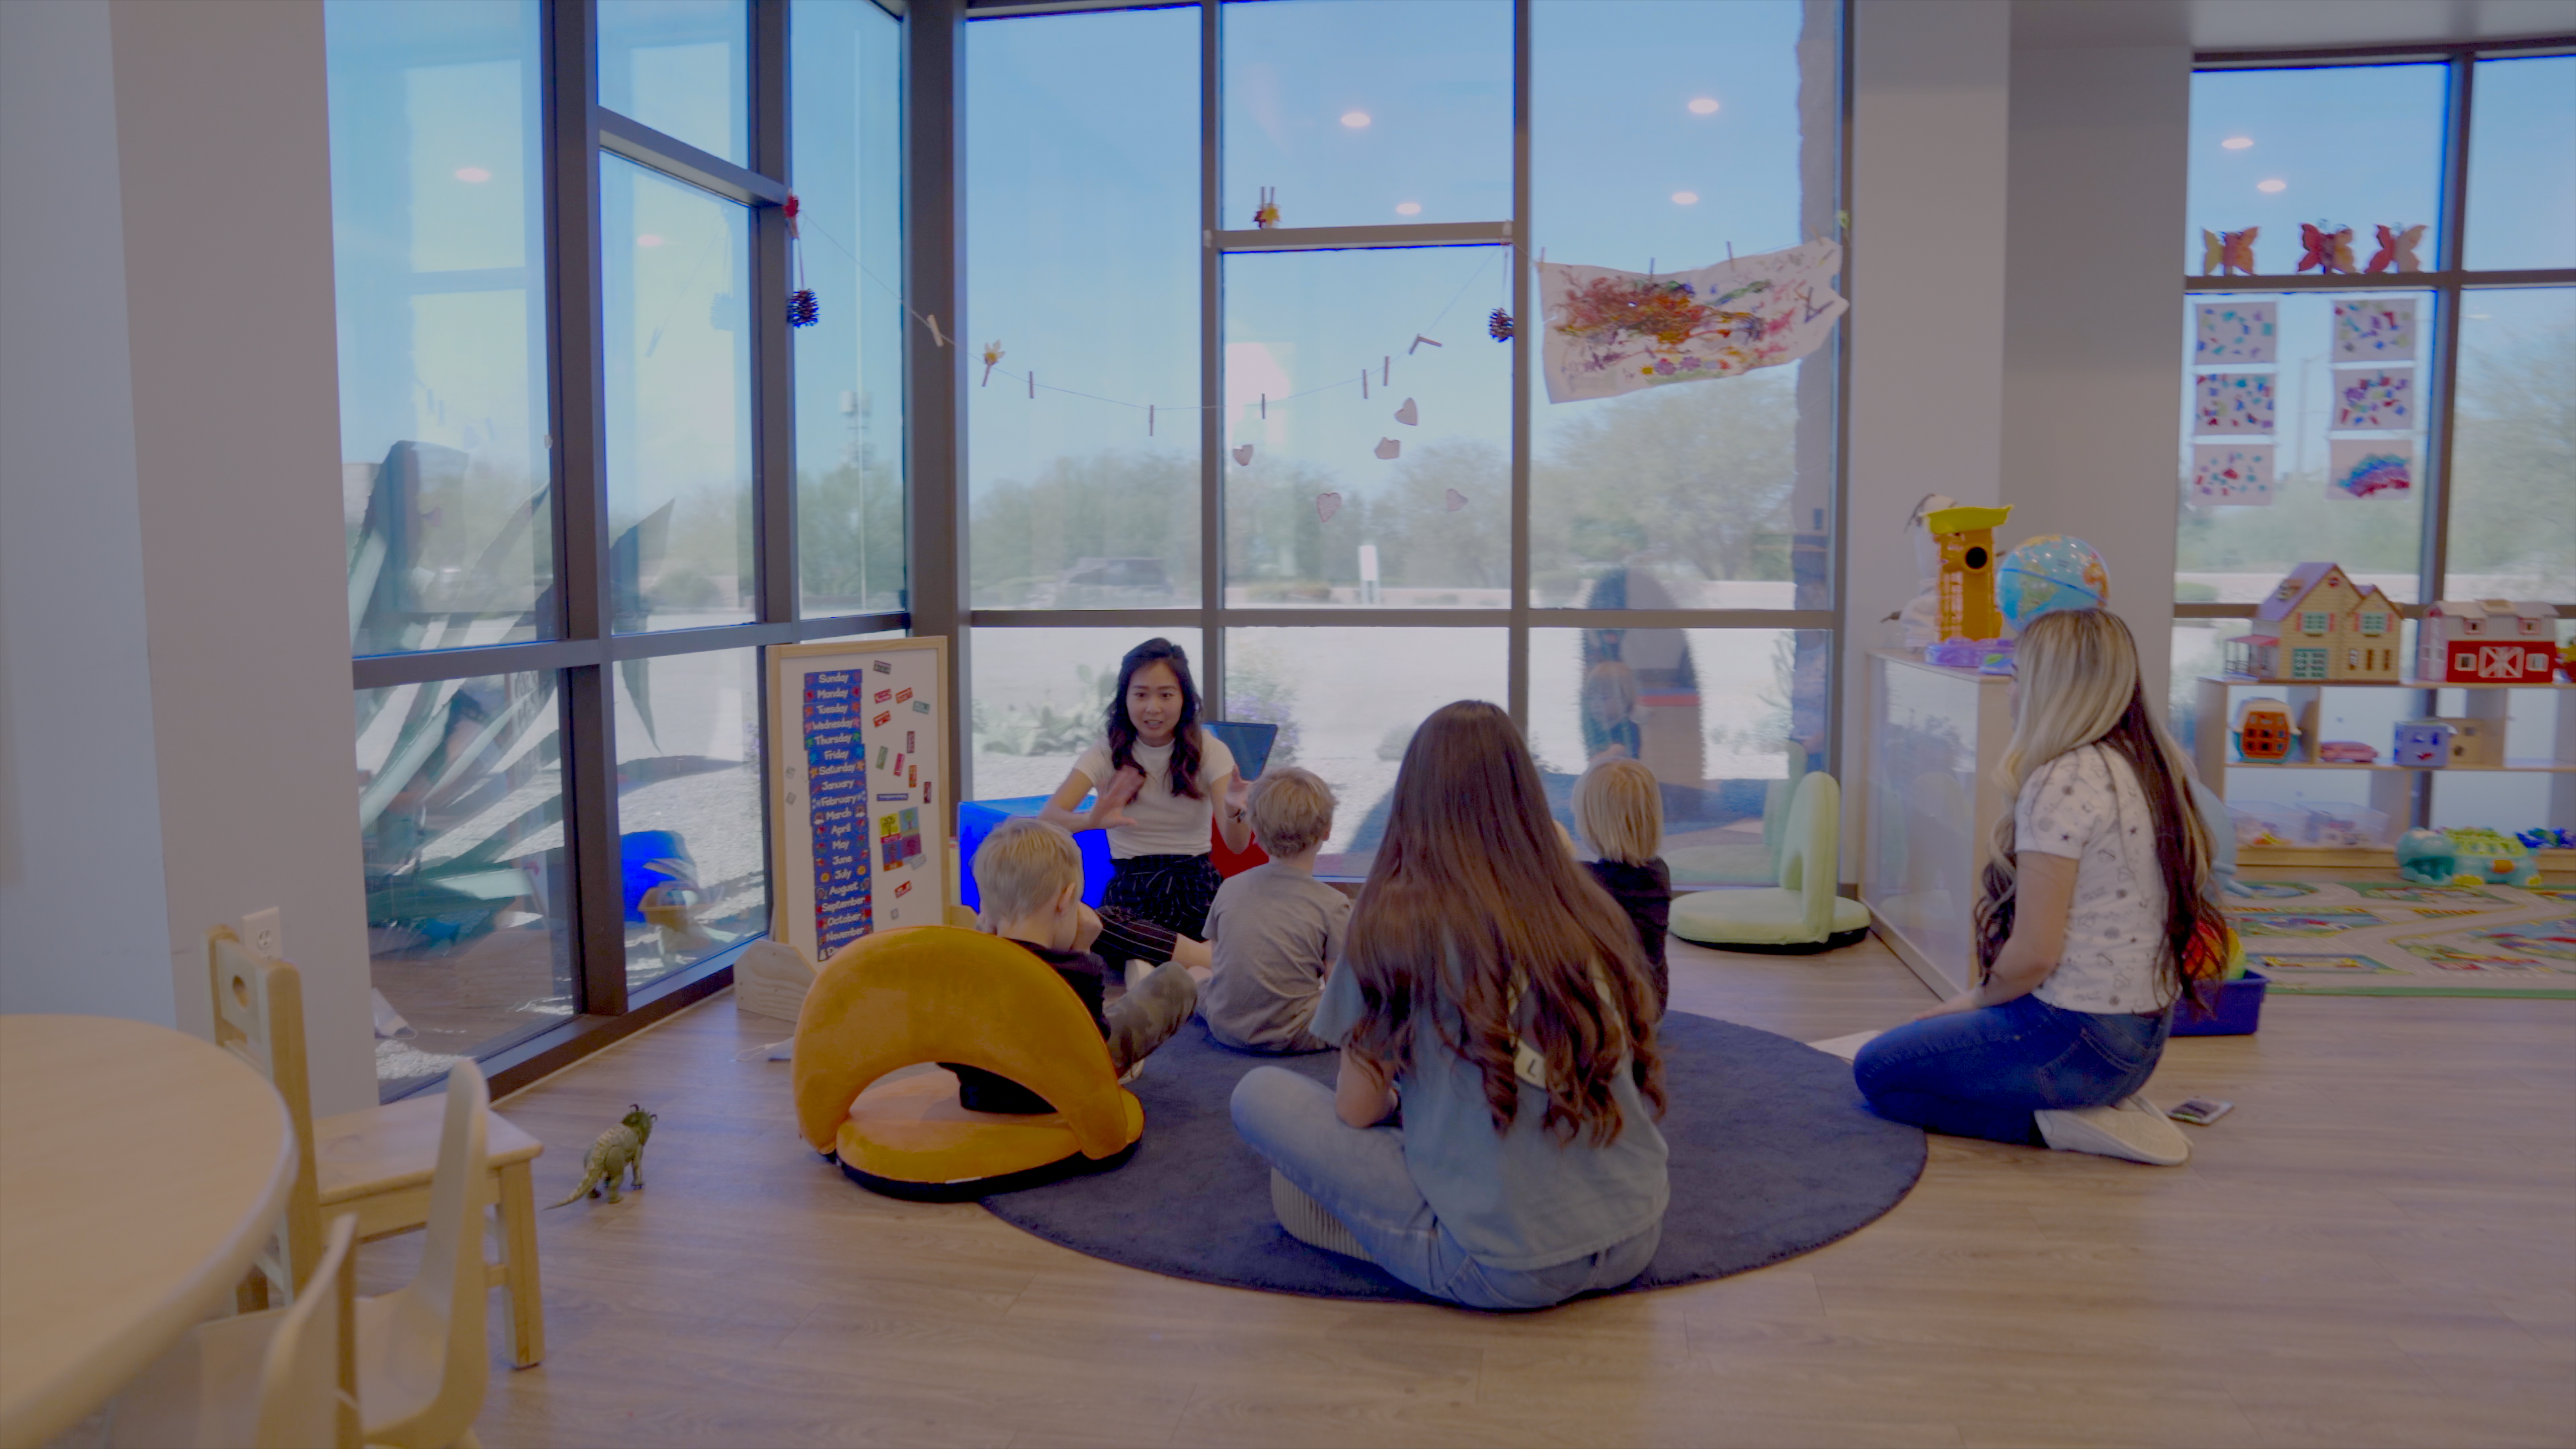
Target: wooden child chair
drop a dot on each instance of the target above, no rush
(283, 1379)
(377, 1162)
(945, 994)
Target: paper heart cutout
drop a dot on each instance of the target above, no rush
(1457, 500)
(1409, 415)
(1243, 455)
(1388, 447)
(1326, 505)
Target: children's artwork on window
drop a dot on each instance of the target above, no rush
(2375, 330)
(2374, 398)
(1611, 332)
(2232, 402)
(2370, 467)
(2238, 475)
(2228, 332)
(2397, 249)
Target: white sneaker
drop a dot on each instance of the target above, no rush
(1309, 1221)
(2133, 1130)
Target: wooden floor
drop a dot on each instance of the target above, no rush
(2378, 1247)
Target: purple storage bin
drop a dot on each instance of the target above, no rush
(2239, 1011)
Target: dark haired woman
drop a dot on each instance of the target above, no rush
(1159, 781)
(1492, 985)
(2094, 921)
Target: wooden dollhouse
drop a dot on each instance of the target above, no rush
(2486, 641)
(2320, 625)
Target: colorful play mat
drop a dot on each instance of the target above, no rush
(2395, 938)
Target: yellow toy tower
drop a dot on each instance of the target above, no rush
(1967, 538)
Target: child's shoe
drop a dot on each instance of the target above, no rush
(1309, 1221)
(2132, 1130)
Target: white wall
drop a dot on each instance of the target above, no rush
(2093, 324)
(174, 646)
(223, 141)
(83, 915)
(1931, 115)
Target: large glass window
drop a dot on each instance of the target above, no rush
(1082, 211)
(1356, 113)
(1347, 402)
(847, 59)
(2384, 379)
(437, 222)
(584, 459)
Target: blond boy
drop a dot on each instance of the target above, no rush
(1275, 930)
(1029, 874)
(1619, 805)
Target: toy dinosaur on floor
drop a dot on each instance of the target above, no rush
(620, 1149)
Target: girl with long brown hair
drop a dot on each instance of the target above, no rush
(1494, 990)
(2094, 910)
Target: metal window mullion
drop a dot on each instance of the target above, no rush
(935, 459)
(582, 576)
(1838, 639)
(1516, 688)
(2433, 564)
(1212, 414)
(773, 383)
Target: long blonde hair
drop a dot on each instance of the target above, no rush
(2078, 675)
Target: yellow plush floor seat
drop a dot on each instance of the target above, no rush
(924, 994)
(905, 1132)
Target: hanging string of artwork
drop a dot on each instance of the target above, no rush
(1606, 332)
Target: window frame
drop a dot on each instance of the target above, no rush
(584, 650)
(2449, 282)
(935, 227)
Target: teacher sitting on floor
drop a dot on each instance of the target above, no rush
(2094, 911)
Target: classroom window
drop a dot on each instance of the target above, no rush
(584, 461)
(1338, 379)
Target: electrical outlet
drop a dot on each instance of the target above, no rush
(261, 932)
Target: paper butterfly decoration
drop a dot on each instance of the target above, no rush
(1243, 455)
(1456, 500)
(2327, 251)
(992, 355)
(1326, 505)
(2396, 250)
(1499, 325)
(1409, 415)
(1388, 447)
(2226, 252)
(1266, 215)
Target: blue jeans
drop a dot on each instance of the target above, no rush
(1982, 1073)
(1358, 1174)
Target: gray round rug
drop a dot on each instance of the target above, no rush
(1773, 1154)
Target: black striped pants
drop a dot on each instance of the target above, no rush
(1151, 900)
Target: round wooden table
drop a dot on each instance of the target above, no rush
(141, 1171)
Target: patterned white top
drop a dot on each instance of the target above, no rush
(2086, 806)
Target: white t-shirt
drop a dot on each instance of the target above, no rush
(1166, 824)
(2086, 806)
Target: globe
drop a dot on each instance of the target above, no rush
(2050, 572)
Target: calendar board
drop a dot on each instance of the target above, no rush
(860, 801)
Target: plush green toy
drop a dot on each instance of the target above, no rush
(620, 1149)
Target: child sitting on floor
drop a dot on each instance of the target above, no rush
(1619, 806)
(1030, 877)
(1275, 930)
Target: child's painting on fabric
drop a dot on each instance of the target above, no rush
(2229, 332)
(1611, 332)
(2232, 402)
(2238, 475)
(2374, 398)
(2370, 467)
(2377, 330)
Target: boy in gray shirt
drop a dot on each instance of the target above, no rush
(1275, 930)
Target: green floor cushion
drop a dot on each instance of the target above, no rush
(1769, 917)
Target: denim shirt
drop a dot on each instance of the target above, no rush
(1517, 1200)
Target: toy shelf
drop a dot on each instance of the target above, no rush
(2551, 863)
(2241, 681)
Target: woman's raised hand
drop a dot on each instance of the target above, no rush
(1109, 807)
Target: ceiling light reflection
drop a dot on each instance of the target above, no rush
(1703, 106)
(472, 173)
(1685, 198)
(1356, 120)
(1408, 208)
(2271, 185)
(2237, 143)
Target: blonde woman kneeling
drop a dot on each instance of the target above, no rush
(2095, 890)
